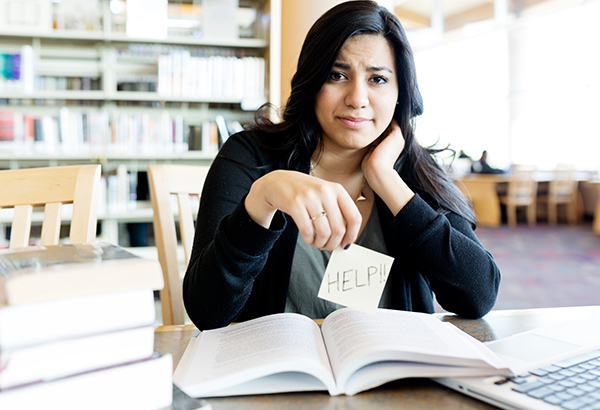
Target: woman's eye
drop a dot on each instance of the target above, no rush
(379, 79)
(336, 76)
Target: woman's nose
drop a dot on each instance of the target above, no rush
(357, 95)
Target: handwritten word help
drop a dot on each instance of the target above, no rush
(350, 279)
(356, 278)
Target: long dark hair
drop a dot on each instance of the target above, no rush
(299, 131)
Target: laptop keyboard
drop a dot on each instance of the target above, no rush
(570, 384)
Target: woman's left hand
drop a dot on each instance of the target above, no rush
(378, 168)
(384, 152)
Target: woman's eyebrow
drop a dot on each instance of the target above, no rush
(345, 66)
(382, 68)
(342, 65)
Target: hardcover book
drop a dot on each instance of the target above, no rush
(67, 357)
(41, 273)
(142, 385)
(54, 320)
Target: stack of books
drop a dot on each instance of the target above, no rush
(77, 329)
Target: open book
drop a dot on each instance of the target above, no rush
(351, 352)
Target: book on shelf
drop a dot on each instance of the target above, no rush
(222, 128)
(74, 132)
(8, 119)
(194, 138)
(16, 130)
(42, 273)
(254, 87)
(239, 79)
(69, 356)
(10, 66)
(210, 137)
(16, 70)
(140, 385)
(351, 352)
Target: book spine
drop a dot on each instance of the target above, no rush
(210, 77)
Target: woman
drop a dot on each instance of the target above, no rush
(342, 167)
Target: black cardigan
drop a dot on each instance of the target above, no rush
(239, 270)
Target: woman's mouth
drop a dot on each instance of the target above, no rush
(354, 123)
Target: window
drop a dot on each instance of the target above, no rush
(527, 93)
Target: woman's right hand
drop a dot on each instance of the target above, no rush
(324, 212)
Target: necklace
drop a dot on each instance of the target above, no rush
(361, 196)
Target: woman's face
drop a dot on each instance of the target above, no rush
(357, 101)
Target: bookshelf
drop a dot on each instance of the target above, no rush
(78, 86)
(103, 93)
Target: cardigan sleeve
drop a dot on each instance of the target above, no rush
(444, 249)
(230, 249)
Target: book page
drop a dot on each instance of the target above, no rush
(376, 374)
(355, 339)
(238, 354)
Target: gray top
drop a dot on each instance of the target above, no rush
(309, 266)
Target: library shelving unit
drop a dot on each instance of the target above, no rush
(88, 90)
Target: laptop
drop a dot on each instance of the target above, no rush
(554, 367)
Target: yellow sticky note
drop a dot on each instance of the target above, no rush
(355, 278)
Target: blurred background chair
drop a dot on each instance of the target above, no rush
(562, 190)
(521, 192)
(50, 188)
(183, 183)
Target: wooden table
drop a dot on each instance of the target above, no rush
(596, 223)
(481, 189)
(407, 393)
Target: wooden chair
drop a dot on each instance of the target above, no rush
(185, 182)
(24, 189)
(521, 192)
(562, 190)
(596, 221)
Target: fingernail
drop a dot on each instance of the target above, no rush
(347, 246)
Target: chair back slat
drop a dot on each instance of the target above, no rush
(563, 184)
(85, 205)
(186, 183)
(51, 224)
(186, 224)
(521, 192)
(21, 226)
(522, 187)
(562, 190)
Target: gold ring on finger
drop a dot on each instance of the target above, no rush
(322, 213)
